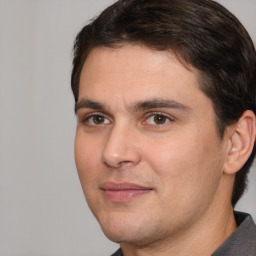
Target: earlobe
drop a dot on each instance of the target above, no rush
(241, 142)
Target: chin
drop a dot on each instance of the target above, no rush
(126, 236)
(120, 228)
(129, 230)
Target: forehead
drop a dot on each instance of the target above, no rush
(135, 56)
(135, 72)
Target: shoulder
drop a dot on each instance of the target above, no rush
(118, 253)
(243, 240)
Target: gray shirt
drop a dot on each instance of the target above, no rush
(241, 243)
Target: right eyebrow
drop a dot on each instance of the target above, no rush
(85, 103)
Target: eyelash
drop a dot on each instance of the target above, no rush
(86, 118)
(160, 114)
(167, 118)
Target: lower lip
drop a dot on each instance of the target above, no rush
(124, 195)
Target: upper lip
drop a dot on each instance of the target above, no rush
(122, 186)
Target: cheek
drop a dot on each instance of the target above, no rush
(87, 157)
(186, 166)
(171, 156)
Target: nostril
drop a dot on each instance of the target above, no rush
(120, 161)
(112, 165)
(120, 148)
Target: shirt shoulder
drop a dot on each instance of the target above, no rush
(118, 253)
(242, 241)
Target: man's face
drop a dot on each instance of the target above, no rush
(147, 150)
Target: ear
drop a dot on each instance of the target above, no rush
(240, 142)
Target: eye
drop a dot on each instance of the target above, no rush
(96, 120)
(157, 119)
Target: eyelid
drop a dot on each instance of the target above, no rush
(85, 117)
(150, 114)
(159, 113)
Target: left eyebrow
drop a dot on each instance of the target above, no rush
(160, 103)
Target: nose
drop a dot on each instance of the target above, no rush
(121, 148)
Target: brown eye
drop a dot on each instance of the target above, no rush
(158, 119)
(97, 120)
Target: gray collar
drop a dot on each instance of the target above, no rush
(243, 241)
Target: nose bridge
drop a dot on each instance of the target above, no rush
(121, 146)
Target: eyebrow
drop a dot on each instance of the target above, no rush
(159, 103)
(84, 103)
(137, 106)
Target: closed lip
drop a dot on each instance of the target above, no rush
(123, 192)
(123, 186)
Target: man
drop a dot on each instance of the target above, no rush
(165, 101)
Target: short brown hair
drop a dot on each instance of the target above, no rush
(202, 33)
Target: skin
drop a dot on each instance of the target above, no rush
(142, 119)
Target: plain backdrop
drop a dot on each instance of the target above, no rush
(42, 208)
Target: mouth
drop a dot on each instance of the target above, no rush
(122, 192)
